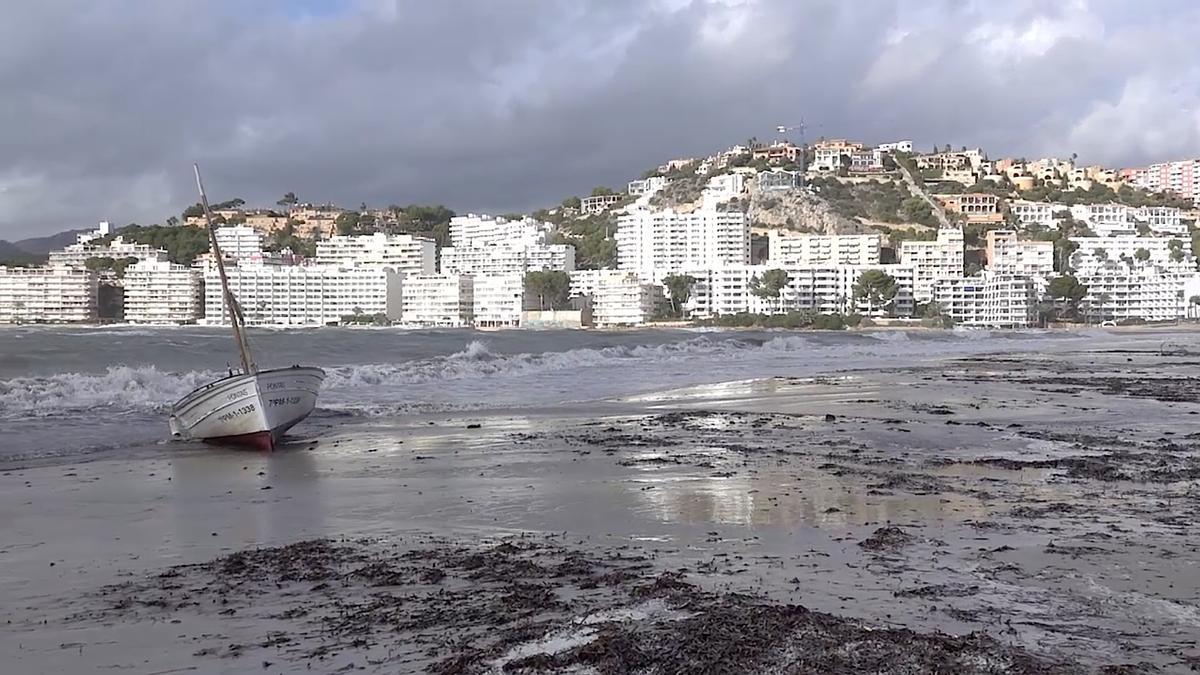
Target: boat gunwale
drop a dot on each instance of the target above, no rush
(226, 381)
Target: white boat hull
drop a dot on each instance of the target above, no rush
(253, 410)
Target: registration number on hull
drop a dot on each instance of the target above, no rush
(289, 400)
(237, 413)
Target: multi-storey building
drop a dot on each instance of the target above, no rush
(508, 258)
(828, 154)
(88, 246)
(480, 230)
(498, 300)
(624, 300)
(1116, 292)
(977, 207)
(989, 300)
(778, 153)
(599, 203)
(655, 243)
(933, 261)
(303, 295)
(440, 300)
(585, 282)
(315, 221)
(1181, 178)
(820, 288)
(403, 253)
(1041, 213)
(159, 292)
(1170, 254)
(1006, 254)
(52, 294)
(799, 249)
(239, 241)
(649, 185)
(866, 161)
(1161, 220)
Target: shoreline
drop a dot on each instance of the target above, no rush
(974, 494)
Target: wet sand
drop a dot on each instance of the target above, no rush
(1003, 514)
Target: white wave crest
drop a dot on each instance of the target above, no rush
(120, 387)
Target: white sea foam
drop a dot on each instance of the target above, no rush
(475, 375)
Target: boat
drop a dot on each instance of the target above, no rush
(250, 407)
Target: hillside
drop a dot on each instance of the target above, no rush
(40, 246)
(797, 209)
(10, 252)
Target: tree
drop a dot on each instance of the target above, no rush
(601, 190)
(877, 288)
(172, 221)
(679, 287)
(552, 288)
(1068, 291)
(770, 285)
(347, 223)
(571, 203)
(1141, 255)
(1100, 253)
(288, 199)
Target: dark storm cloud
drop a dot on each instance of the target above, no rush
(511, 104)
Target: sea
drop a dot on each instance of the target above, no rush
(71, 394)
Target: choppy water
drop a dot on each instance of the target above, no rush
(70, 392)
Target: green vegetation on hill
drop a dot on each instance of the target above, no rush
(592, 237)
(109, 264)
(888, 202)
(424, 220)
(1102, 194)
(183, 243)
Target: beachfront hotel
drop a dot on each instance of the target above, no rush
(624, 299)
(51, 294)
(824, 289)
(438, 300)
(988, 300)
(1006, 253)
(303, 295)
(162, 293)
(498, 300)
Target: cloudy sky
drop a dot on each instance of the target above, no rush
(507, 105)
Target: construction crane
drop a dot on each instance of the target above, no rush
(788, 128)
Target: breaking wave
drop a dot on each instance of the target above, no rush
(476, 373)
(119, 387)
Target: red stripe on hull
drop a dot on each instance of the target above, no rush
(260, 440)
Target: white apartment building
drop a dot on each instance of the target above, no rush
(820, 288)
(77, 254)
(653, 243)
(439, 300)
(479, 230)
(159, 292)
(1095, 252)
(724, 187)
(933, 261)
(800, 249)
(624, 300)
(1041, 213)
(498, 300)
(585, 282)
(239, 241)
(52, 294)
(989, 300)
(1162, 220)
(650, 185)
(1116, 292)
(508, 258)
(403, 253)
(302, 295)
(1006, 254)
(898, 146)
(598, 203)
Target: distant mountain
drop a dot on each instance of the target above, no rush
(40, 246)
(10, 252)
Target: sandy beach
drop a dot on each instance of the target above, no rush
(1006, 513)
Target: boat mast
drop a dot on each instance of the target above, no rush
(235, 311)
